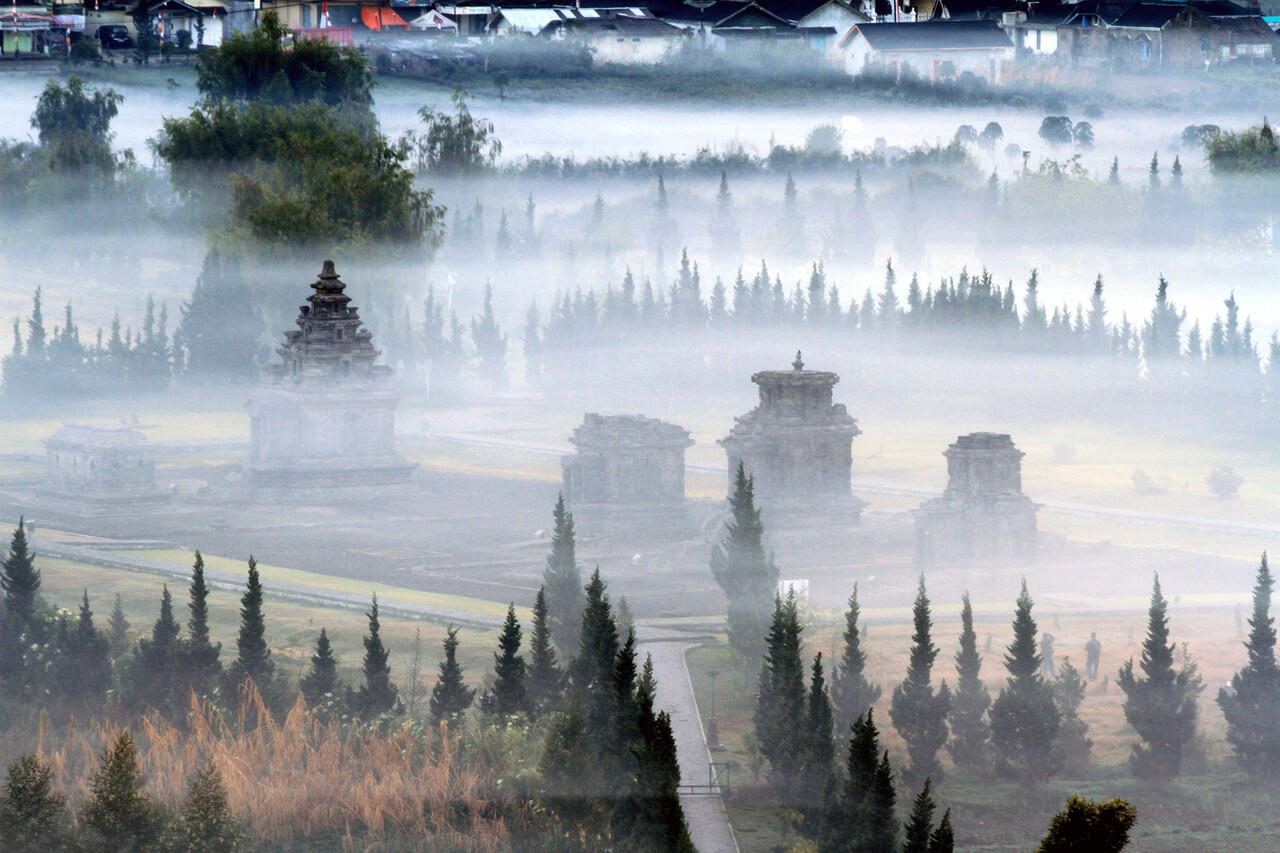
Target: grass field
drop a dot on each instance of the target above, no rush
(1210, 805)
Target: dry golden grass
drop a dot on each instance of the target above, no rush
(304, 778)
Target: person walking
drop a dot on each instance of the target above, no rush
(1046, 656)
(1092, 654)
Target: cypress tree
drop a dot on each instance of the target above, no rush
(321, 681)
(32, 814)
(378, 694)
(858, 815)
(819, 742)
(153, 677)
(943, 839)
(119, 816)
(563, 583)
(744, 570)
(90, 669)
(970, 732)
(1024, 717)
(509, 693)
(1161, 703)
(918, 829)
(919, 714)
(19, 578)
(1073, 743)
(450, 696)
(781, 701)
(205, 822)
(118, 630)
(592, 667)
(545, 679)
(626, 622)
(253, 659)
(851, 693)
(1252, 705)
(569, 775)
(202, 665)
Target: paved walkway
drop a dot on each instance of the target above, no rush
(708, 823)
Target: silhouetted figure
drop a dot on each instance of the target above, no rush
(1092, 653)
(1046, 657)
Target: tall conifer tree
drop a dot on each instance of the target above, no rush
(119, 815)
(253, 657)
(201, 663)
(970, 732)
(744, 570)
(321, 680)
(19, 578)
(1024, 717)
(562, 581)
(781, 698)
(1160, 704)
(90, 665)
(118, 629)
(819, 742)
(377, 695)
(851, 693)
(450, 697)
(32, 814)
(545, 679)
(510, 695)
(918, 713)
(858, 813)
(1252, 705)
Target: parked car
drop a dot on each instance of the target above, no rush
(114, 37)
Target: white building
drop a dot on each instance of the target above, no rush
(933, 50)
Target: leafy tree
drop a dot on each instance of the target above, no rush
(1160, 704)
(743, 569)
(200, 654)
(858, 815)
(74, 126)
(253, 656)
(1252, 704)
(851, 693)
(567, 770)
(1073, 744)
(1056, 130)
(545, 678)
(780, 701)
(321, 681)
(1085, 826)
(458, 143)
(20, 579)
(563, 583)
(32, 814)
(509, 693)
(450, 697)
(970, 731)
(919, 714)
(255, 65)
(205, 822)
(119, 816)
(1024, 716)
(378, 694)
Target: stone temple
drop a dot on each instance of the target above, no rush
(797, 444)
(324, 417)
(983, 516)
(101, 468)
(626, 467)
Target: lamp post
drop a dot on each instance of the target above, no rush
(713, 726)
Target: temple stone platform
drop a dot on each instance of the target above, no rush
(628, 471)
(983, 516)
(797, 444)
(322, 423)
(99, 470)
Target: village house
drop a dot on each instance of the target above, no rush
(1181, 35)
(625, 38)
(932, 50)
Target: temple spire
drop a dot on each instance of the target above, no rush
(798, 364)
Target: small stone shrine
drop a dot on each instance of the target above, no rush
(626, 465)
(983, 515)
(111, 466)
(797, 444)
(324, 417)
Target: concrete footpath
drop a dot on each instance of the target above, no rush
(705, 814)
